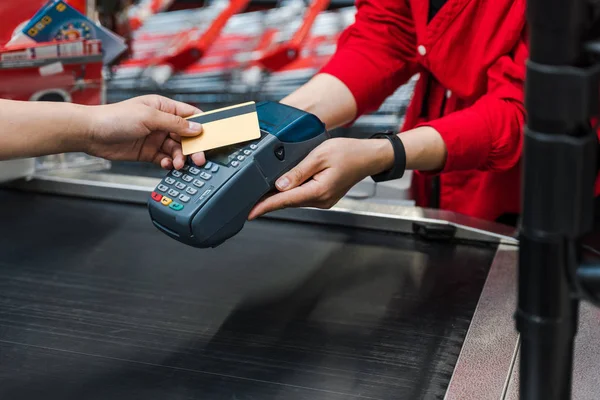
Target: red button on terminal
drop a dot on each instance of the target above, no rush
(156, 196)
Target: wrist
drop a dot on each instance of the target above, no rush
(80, 128)
(91, 128)
(382, 155)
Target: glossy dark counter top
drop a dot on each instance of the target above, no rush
(95, 303)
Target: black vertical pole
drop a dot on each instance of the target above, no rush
(558, 179)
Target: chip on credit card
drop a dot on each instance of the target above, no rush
(223, 127)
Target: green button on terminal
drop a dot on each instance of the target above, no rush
(176, 206)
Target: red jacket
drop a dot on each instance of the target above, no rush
(473, 54)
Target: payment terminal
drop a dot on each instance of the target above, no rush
(204, 206)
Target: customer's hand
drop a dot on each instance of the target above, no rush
(147, 128)
(327, 174)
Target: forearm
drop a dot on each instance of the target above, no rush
(330, 100)
(425, 149)
(29, 129)
(326, 97)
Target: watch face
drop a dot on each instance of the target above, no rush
(74, 31)
(382, 134)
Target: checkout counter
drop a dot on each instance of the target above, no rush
(368, 300)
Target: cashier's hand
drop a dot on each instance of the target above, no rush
(146, 128)
(327, 174)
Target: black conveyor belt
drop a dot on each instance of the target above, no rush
(95, 303)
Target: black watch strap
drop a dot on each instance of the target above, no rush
(397, 171)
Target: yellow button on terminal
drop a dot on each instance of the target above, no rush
(166, 201)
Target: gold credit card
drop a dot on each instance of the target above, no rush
(223, 127)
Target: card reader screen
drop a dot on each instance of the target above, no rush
(224, 155)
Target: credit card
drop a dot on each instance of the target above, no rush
(223, 127)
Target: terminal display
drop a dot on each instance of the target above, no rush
(225, 155)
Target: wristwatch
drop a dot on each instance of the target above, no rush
(397, 170)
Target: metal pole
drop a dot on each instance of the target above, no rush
(558, 180)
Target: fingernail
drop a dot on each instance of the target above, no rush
(196, 127)
(283, 183)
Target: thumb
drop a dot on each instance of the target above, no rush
(302, 172)
(162, 121)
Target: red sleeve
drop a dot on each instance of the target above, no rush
(376, 54)
(489, 134)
